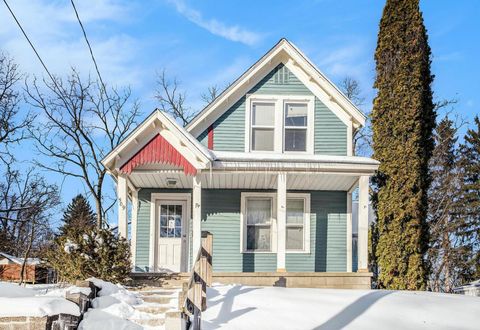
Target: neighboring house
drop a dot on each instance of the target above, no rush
(10, 269)
(471, 289)
(267, 168)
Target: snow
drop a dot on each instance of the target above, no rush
(10, 290)
(19, 261)
(70, 246)
(98, 319)
(243, 307)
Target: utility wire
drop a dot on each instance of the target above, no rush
(89, 48)
(31, 45)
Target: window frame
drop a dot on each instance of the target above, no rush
(243, 220)
(265, 127)
(306, 223)
(279, 124)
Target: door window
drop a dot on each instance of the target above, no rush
(171, 221)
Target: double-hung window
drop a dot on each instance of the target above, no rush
(259, 224)
(263, 126)
(295, 230)
(295, 127)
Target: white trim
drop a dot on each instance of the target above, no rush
(243, 223)
(349, 232)
(152, 260)
(350, 151)
(280, 102)
(122, 201)
(282, 52)
(133, 234)
(363, 208)
(196, 213)
(306, 222)
(281, 221)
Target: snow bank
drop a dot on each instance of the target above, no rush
(10, 290)
(112, 308)
(98, 319)
(241, 307)
(36, 306)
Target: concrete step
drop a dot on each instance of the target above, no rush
(153, 308)
(159, 299)
(168, 292)
(153, 322)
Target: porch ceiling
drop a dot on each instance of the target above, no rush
(243, 180)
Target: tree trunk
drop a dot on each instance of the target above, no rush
(27, 253)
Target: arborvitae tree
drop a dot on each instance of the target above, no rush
(403, 119)
(78, 217)
(444, 253)
(469, 204)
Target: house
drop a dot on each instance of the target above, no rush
(11, 267)
(470, 289)
(267, 168)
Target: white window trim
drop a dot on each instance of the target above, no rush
(243, 221)
(306, 222)
(280, 102)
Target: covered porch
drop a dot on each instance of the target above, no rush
(237, 174)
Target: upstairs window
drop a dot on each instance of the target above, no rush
(295, 127)
(263, 126)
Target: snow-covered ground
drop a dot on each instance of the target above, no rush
(242, 307)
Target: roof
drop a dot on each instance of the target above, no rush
(312, 73)
(19, 261)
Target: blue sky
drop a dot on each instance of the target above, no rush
(205, 43)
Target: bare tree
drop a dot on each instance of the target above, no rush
(211, 94)
(27, 204)
(80, 124)
(12, 128)
(171, 99)
(362, 137)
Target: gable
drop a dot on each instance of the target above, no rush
(330, 133)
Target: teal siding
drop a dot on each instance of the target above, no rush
(221, 216)
(143, 226)
(229, 129)
(330, 133)
(328, 243)
(330, 137)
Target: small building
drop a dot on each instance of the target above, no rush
(471, 289)
(10, 268)
(267, 168)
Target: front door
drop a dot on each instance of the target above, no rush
(171, 235)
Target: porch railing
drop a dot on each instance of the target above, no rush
(195, 290)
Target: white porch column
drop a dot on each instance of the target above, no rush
(363, 224)
(133, 242)
(122, 200)
(349, 231)
(196, 214)
(281, 220)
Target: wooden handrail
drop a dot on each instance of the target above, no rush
(195, 291)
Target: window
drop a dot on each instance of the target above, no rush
(295, 136)
(295, 224)
(170, 221)
(259, 224)
(263, 126)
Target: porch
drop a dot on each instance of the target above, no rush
(213, 200)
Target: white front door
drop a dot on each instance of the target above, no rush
(171, 235)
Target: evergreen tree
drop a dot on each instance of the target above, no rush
(469, 204)
(78, 217)
(403, 119)
(445, 251)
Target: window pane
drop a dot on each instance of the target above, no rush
(262, 139)
(258, 238)
(295, 211)
(258, 211)
(295, 139)
(263, 114)
(296, 114)
(294, 238)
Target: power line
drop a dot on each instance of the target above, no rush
(31, 45)
(89, 47)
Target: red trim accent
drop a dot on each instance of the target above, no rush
(157, 151)
(210, 137)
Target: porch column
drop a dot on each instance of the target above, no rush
(122, 200)
(281, 220)
(349, 231)
(133, 241)
(363, 224)
(196, 214)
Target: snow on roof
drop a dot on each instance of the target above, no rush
(19, 261)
